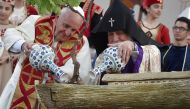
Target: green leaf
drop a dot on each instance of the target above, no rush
(49, 6)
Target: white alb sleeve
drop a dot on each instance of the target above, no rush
(17, 46)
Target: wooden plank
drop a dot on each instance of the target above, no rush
(145, 76)
(175, 95)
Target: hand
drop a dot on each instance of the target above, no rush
(124, 49)
(4, 59)
(16, 20)
(27, 47)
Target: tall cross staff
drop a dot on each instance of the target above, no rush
(74, 79)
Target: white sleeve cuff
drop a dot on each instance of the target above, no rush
(135, 53)
(17, 46)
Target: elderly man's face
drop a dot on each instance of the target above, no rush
(67, 24)
(116, 37)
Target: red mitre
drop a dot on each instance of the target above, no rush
(148, 3)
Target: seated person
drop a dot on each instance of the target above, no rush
(177, 56)
(6, 9)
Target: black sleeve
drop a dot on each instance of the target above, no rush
(95, 20)
(99, 41)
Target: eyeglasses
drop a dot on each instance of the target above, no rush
(181, 29)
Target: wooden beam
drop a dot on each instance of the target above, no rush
(146, 76)
(174, 95)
